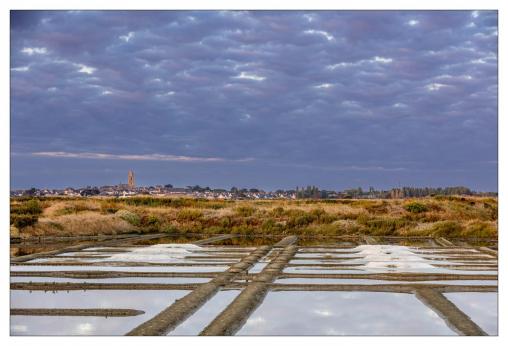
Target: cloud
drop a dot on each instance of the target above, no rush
(251, 76)
(325, 34)
(133, 157)
(128, 37)
(435, 86)
(324, 86)
(21, 69)
(34, 50)
(322, 89)
(85, 69)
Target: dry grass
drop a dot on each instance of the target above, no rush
(85, 223)
(442, 216)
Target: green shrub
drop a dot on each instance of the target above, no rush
(151, 222)
(446, 228)
(23, 220)
(481, 230)
(416, 207)
(245, 211)
(189, 215)
(301, 220)
(30, 207)
(170, 229)
(385, 226)
(277, 212)
(128, 216)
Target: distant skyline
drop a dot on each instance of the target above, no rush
(267, 99)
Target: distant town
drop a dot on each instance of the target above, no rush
(196, 191)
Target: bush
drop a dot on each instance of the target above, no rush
(245, 211)
(446, 228)
(30, 207)
(277, 212)
(170, 229)
(150, 221)
(128, 216)
(23, 220)
(301, 220)
(189, 215)
(481, 230)
(416, 207)
(109, 207)
(385, 226)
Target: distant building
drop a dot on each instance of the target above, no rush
(130, 180)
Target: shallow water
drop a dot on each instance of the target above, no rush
(193, 269)
(201, 318)
(482, 308)
(343, 313)
(319, 281)
(140, 280)
(151, 302)
(360, 270)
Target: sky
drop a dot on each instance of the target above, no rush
(267, 99)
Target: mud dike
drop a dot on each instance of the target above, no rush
(207, 286)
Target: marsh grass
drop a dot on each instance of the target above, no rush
(448, 217)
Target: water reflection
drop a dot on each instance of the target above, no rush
(149, 301)
(480, 307)
(201, 318)
(343, 313)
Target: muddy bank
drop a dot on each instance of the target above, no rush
(234, 316)
(174, 314)
(77, 312)
(70, 286)
(454, 318)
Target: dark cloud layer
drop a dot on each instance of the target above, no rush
(263, 98)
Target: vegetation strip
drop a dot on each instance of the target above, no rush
(124, 264)
(77, 286)
(286, 241)
(214, 239)
(394, 288)
(76, 312)
(452, 315)
(444, 242)
(488, 251)
(83, 246)
(324, 258)
(76, 256)
(328, 265)
(82, 274)
(393, 276)
(370, 240)
(177, 312)
(234, 316)
(326, 252)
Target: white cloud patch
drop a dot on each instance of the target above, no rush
(133, 157)
(399, 105)
(21, 69)
(34, 50)
(374, 60)
(413, 22)
(435, 86)
(250, 76)
(85, 69)
(127, 38)
(325, 34)
(324, 86)
(382, 60)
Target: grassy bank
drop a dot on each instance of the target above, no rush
(434, 216)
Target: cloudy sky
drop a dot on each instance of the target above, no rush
(336, 99)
